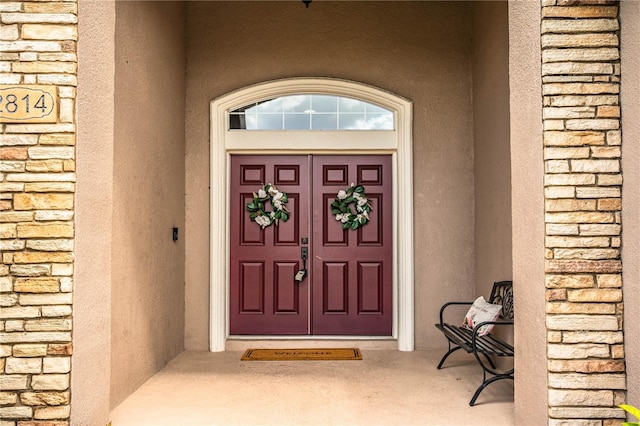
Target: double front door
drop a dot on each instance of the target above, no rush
(348, 287)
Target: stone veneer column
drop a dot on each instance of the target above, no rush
(582, 142)
(37, 185)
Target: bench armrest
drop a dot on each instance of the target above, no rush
(479, 326)
(501, 347)
(446, 305)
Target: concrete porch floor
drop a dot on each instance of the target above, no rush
(385, 388)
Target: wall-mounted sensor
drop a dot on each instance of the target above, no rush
(175, 234)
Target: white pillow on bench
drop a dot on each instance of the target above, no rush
(481, 311)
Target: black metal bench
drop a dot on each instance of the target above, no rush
(485, 346)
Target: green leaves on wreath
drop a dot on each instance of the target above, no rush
(343, 211)
(278, 200)
(281, 215)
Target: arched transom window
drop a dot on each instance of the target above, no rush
(311, 112)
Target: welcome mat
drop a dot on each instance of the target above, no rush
(332, 354)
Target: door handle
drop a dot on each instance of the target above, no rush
(302, 273)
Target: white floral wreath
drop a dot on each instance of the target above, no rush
(268, 193)
(341, 207)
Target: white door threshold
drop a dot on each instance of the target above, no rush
(242, 343)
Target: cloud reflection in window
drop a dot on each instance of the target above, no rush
(311, 112)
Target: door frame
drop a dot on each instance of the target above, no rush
(397, 142)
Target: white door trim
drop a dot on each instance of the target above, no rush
(397, 142)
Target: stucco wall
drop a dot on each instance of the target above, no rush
(147, 309)
(630, 98)
(419, 50)
(492, 158)
(90, 380)
(527, 207)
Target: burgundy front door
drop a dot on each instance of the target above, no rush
(349, 285)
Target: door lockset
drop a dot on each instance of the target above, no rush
(304, 254)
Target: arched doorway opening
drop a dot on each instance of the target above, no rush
(396, 143)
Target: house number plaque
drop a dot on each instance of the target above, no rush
(28, 104)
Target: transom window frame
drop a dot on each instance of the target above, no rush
(398, 143)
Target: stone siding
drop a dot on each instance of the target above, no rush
(582, 148)
(37, 185)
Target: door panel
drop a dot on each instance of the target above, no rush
(264, 298)
(286, 297)
(353, 267)
(334, 288)
(251, 287)
(348, 290)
